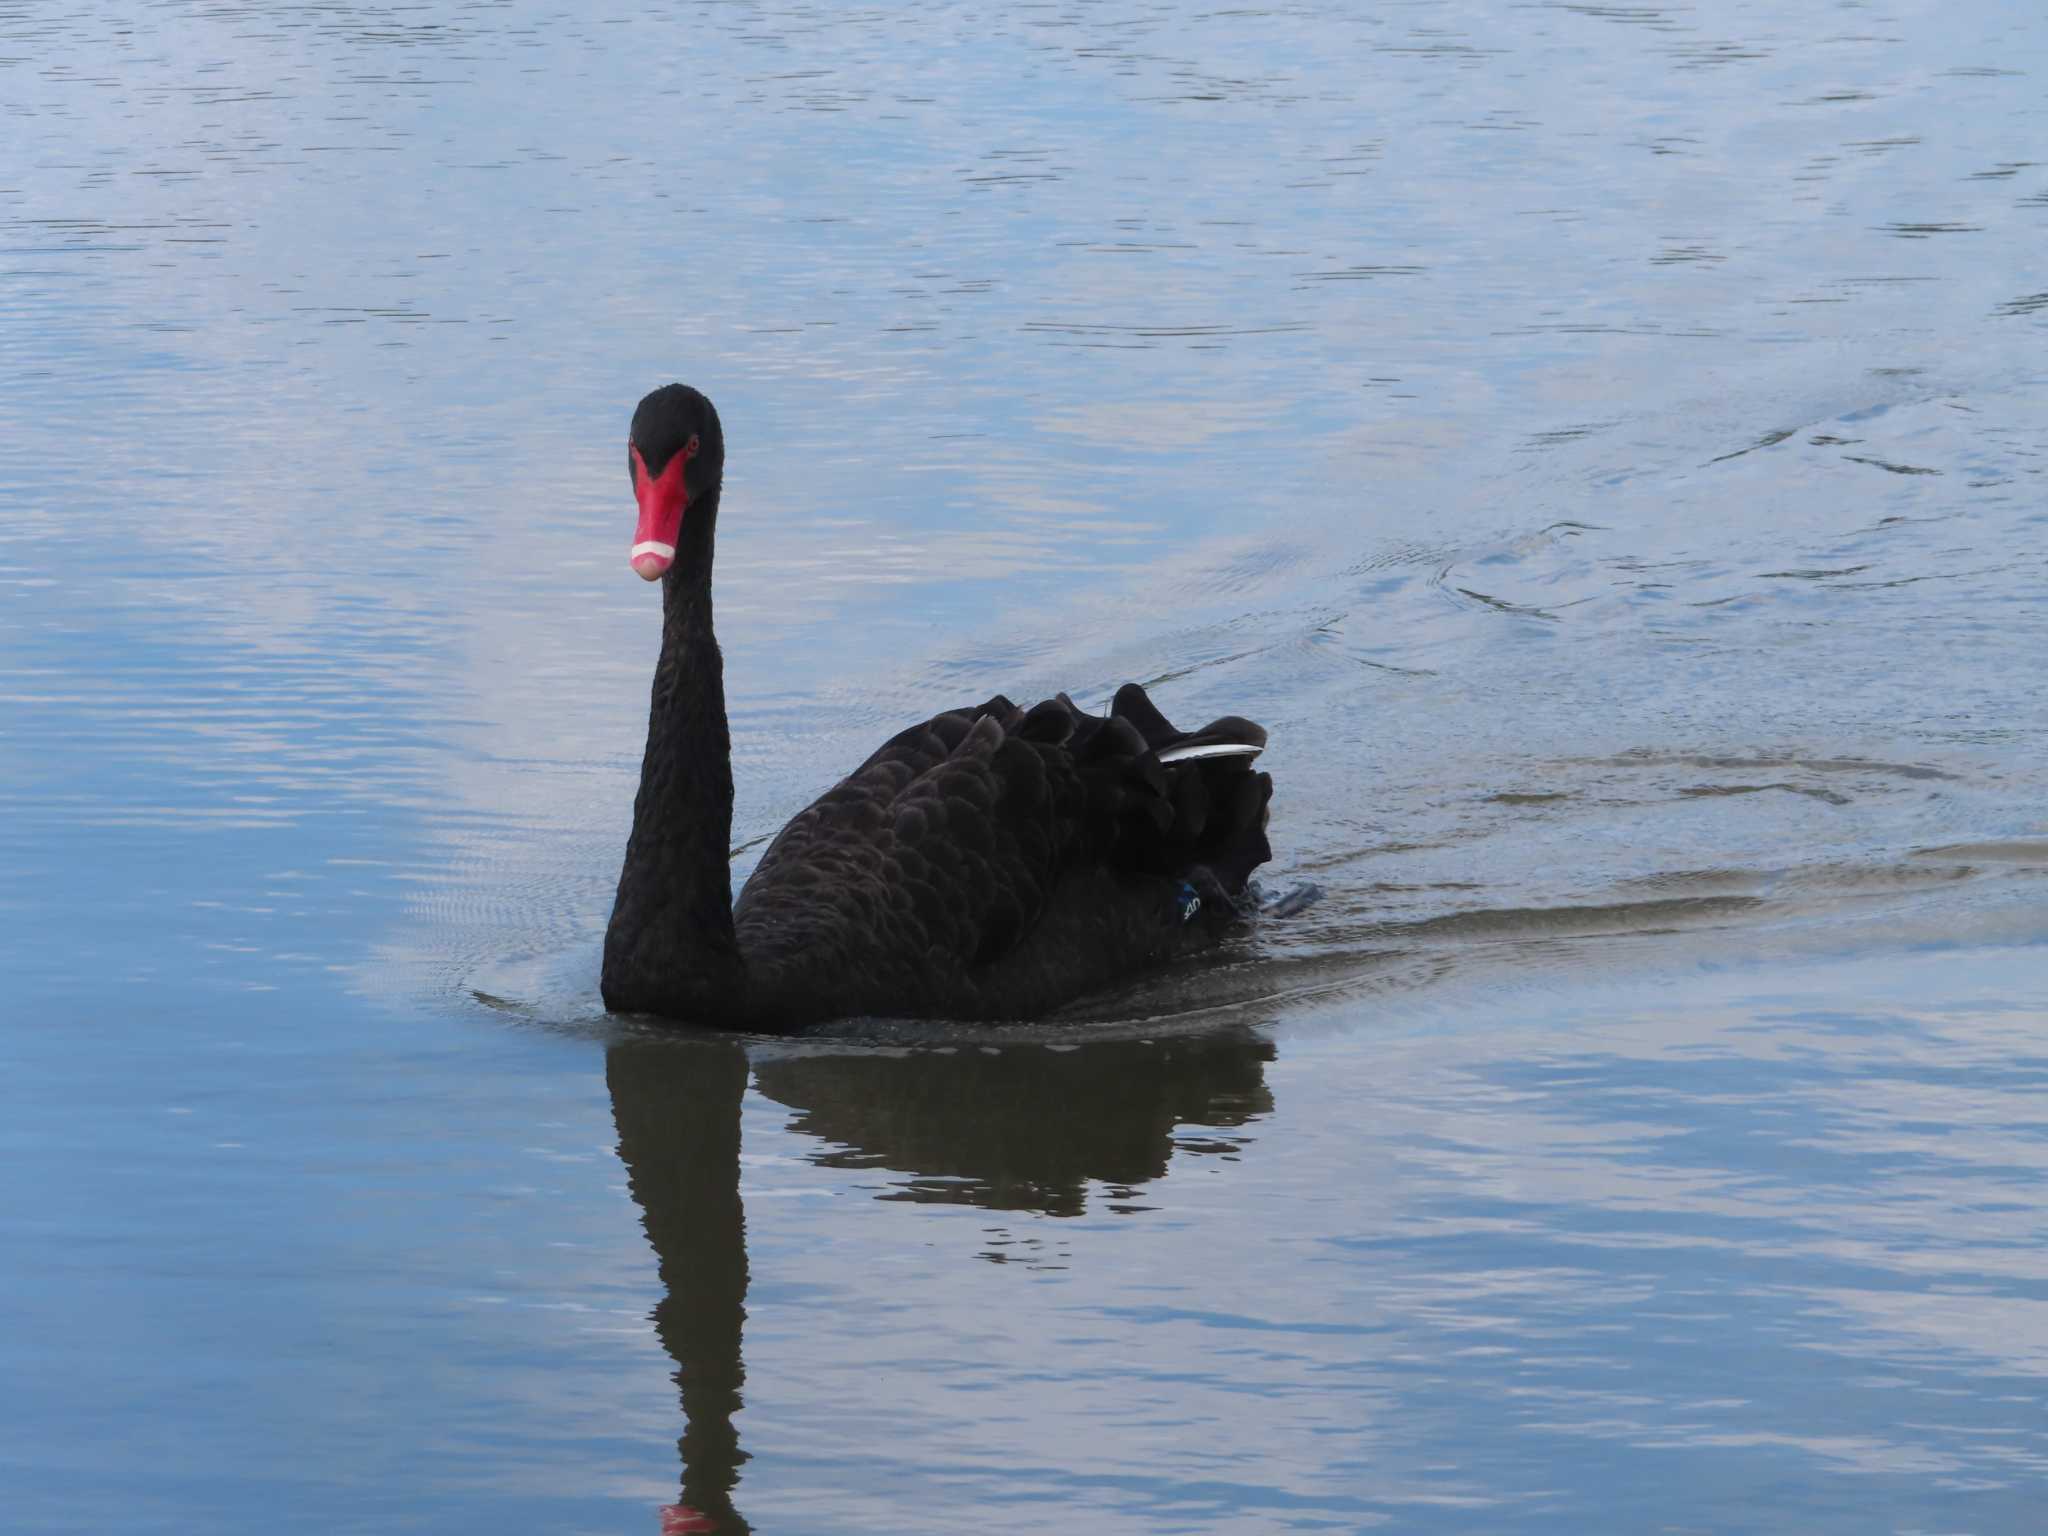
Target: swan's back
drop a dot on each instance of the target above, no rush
(996, 862)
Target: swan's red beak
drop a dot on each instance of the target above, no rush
(663, 499)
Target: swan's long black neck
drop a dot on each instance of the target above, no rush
(670, 948)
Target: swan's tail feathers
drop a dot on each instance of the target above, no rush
(1232, 731)
(1211, 807)
(1132, 703)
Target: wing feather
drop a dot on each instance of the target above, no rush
(939, 856)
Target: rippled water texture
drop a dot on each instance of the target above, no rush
(1603, 444)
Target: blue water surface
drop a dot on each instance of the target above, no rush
(1602, 444)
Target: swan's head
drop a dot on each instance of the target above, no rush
(676, 454)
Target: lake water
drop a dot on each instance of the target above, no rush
(1602, 443)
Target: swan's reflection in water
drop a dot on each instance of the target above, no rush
(1023, 1127)
(677, 1109)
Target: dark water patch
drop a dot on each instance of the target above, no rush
(1686, 255)
(1889, 467)
(1502, 605)
(1910, 771)
(1768, 440)
(1659, 18)
(1138, 335)
(1827, 795)
(1558, 436)
(1359, 274)
(2025, 851)
(1601, 919)
(1712, 55)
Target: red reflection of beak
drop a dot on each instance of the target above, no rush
(663, 499)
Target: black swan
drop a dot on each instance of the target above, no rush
(990, 863)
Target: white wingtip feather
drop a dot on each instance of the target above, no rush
(1211, 749)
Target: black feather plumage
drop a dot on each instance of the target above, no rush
(991, 862)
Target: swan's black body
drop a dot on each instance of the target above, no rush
(991, 863)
